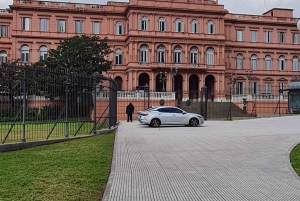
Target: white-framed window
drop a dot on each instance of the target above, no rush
(25, 23)
(144, 23)
(119, 28)
(118, 57)
(194, 26)
(78, 26)
(239, 61)
(209, 56)
(239, 35)
(3, 57)
(267, 88)
(43, 24)
(255, 88)
(295, 38)
(177, 55)
(194, 55)
(162, 24)
(43, 53)
(240, 88)
(268, 36)
(96, 27)
(282, 86)
(24, 53)
(254, 62)
(268, 63)
(179, 26)
(3, 31)
(144, 54)
(281, 61)
(281, 37)
(211, 27)
(295, 63)
(61, 26)
(161, 54)
(253, 36)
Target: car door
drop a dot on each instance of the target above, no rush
(178, 116)
(164, 115)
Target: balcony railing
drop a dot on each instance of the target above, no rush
(138, 95)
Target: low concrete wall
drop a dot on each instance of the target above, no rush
(25, 145)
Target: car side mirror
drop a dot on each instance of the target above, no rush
(184, 112)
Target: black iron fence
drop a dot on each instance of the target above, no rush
(42, 103)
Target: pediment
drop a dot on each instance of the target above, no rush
(282, 80)
(268, 79)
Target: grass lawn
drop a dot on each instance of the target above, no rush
(295, 159)
(73, 170)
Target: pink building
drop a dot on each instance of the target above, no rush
(198, 39)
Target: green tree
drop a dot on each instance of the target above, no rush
(81, 54)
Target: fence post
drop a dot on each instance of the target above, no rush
(95, 100)
(24, 105)
(67, 105)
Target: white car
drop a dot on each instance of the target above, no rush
(168, 115)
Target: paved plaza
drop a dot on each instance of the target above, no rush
(221, 160)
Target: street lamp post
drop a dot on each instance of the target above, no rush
(232, 81)
(249, 76)
(163, 79)
(173, 73)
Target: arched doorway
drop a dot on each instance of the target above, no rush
(178, 86)
(160, 82)
(143, 79)
(119, 81)
(210, 84)
(193, 87)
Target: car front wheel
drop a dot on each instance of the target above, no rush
(155, 123)
(194, 122)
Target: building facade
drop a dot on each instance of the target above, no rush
(178, 45)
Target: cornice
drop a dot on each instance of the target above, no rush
(243, 22)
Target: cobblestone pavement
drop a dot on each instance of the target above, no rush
(221, 160)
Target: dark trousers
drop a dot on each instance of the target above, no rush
(129, 117)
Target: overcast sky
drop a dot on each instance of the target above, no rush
(255, 7)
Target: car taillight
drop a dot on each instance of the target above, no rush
(144, 114)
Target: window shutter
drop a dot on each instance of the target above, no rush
(165, 26)
(117, 29)
(182, 27)
(257, 87)
(140, 24)
(122, 29)
(176, 26)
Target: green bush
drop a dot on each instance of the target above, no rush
(50, 112)
(11, 114)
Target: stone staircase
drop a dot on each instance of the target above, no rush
(216, 110)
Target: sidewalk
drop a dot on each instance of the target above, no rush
(222, 160)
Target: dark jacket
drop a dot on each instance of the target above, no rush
(129, 109)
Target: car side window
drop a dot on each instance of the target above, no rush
(175, 110)
(164, 110)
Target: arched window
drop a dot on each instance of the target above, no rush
(3, 57)
(281, 63)
(254, 62)
(211, 27)
(119, 28)
(177, 55)
(268, 63)
(144, 23)
(162, 24)
(179, 26)
(295, 63)
(161, 54)
(24, 53)
(119, 81)
(194, 26)
(239, 61)
(194, 55)
(144, 54)
(118, 57)
(43, 53)
(210, 56)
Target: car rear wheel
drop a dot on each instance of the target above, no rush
(155, 123)
(194, 122)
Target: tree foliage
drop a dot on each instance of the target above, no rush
(81, 54)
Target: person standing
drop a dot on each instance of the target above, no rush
(129, 112)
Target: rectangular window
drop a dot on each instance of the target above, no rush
(61, 26)
(268, 35)
(78, 26)
(118, 59)
(43, 24)
(179, 28)
(295, 38)
(161, 57)
(253, 36)
(119, 29)
(144, 57)
(240, 88)
(281, 87)
(281, 38)
(239, 35)
(25, 56)
(25, 23)
(268, 88)
(255, 88)
(162, 26)
(177, 57)
(96, 27)
(143, 25)
(194, 59)
(2, 59)
(3, 31)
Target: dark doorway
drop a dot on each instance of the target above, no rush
(178, 86)
(160, 82)
(143, 79)
(193, 87)
(119, 81)
(210, 84)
